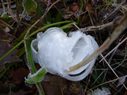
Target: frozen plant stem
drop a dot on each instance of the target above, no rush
(120, 27)
(70, 51)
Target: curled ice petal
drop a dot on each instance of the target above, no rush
(57, 52)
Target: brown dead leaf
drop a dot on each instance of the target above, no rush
(74, 7)
(125, 93)
(55, 85)
(89, 8)
(5, 39)
(17, 76)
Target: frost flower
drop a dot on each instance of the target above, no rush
(57, 52)
(103, 91)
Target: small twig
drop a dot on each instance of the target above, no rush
(120, 27)
(76, 26)
(96, 28)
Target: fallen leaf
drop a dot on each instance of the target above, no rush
(55, 85)
(89, 8)
(74, 7)
(5, 46)
(17, 76)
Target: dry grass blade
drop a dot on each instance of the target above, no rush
(115, 48)
(120, 27)
(107, 82)
(112, 69)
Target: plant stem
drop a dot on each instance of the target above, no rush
(31, 65)
(40, 89)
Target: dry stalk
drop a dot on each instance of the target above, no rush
(96, 28)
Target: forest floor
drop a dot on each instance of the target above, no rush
(98, 18)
